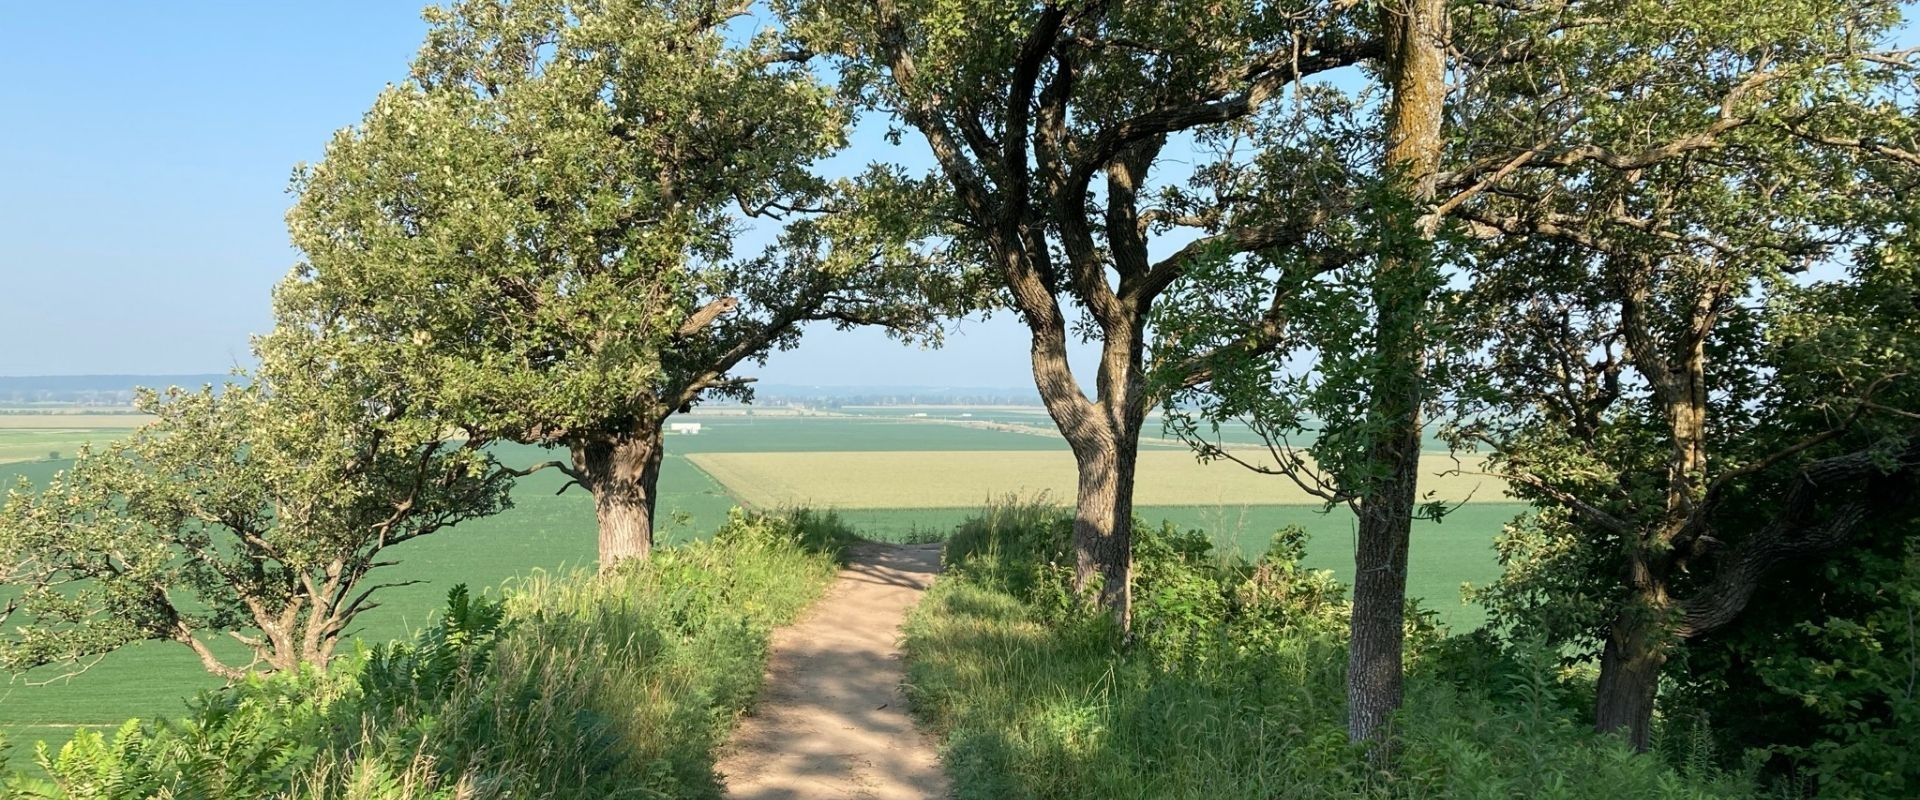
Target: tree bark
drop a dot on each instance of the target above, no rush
(1378, 626)
(1103, 524)
(1415, 60)
(1629, 680)
(623, 472)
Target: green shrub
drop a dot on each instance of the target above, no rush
(584, 686)
(1233, 687)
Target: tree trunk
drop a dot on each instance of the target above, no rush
(1629, 681)
(1415, 61)
(623, 472)
(1375, 653)
(1103, 524)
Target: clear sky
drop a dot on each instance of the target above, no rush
(144, 155)
(145, 149)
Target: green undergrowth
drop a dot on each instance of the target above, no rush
(1233, 686)
(582, 686)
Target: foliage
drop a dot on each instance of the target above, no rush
(585, 686)
(1093, 155)
(1032, 703)
(539, 235)
(1822, 689)
(257, 513)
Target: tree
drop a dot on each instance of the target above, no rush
(1567, 94)
(1652, 357)
(537, 234)
(1054, 127)
(1370, 325)
(258, 512)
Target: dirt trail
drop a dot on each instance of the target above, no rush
(831, 722)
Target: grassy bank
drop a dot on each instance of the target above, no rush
(1233, 687)
(585, 686)
(543, 532)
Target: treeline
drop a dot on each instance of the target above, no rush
(89, 390)
(1656, 260)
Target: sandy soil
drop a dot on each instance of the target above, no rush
(831, 721)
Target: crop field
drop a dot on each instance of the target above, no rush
(43, 437)
(893, 475)
(1446, 554)
(935, 479)
(83, 420)
(791, 434)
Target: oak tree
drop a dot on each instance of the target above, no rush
(541, 234)
(1654, 346)
(1085, 149)
(259, 513)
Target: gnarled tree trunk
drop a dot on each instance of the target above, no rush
(1103, 522)
(1105, 437)
(623, 473)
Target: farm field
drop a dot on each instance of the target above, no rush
(1154, 431)
(929, 478)
(894, 476)
(35, 437)
(1446, 554)
(731, 433)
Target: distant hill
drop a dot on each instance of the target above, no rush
(90, 390)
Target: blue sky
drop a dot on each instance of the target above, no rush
(144, 155)
(145, 149)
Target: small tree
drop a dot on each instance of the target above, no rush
(257, 513)
(536, 236)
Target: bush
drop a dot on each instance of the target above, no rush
(586, 686)
(1233, 687)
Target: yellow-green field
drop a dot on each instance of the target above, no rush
(945, 479)
(40, 437)
(72, 420)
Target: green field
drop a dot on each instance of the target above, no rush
(545, 531)
(949, 478)
(1446, 554)
(37, 444)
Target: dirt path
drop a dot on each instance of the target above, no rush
(831, 722)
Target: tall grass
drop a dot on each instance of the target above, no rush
(578, 686)
(1233, 686)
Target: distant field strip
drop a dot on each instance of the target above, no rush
(37, 444)
(939, 479)
(41, 421)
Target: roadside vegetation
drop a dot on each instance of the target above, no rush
(1233, 686)
(579, 686)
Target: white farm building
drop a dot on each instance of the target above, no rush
(689, 428)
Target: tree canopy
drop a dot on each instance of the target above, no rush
(257, 513)
(544, 234)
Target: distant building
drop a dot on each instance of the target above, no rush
(690, 428)
(921, 414)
